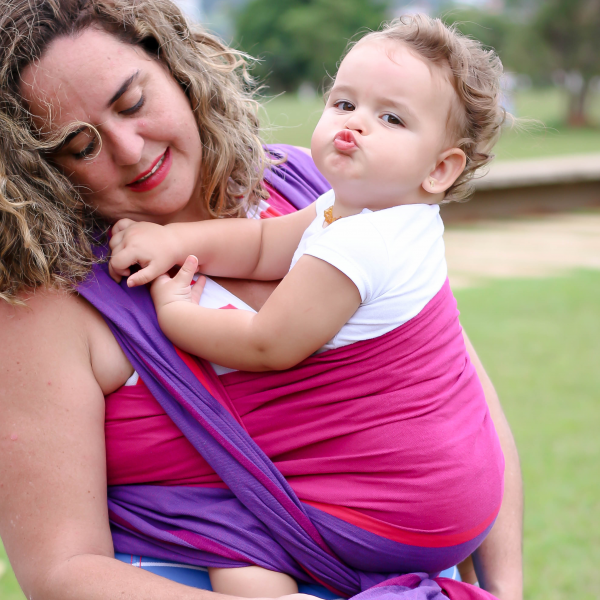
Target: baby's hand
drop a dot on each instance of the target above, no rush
(149, 245)
(166, 290)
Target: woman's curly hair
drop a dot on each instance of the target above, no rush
(46, 231)
(475, 73)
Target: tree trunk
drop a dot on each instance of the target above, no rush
(578, 116)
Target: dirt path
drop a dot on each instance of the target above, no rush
(536, 247)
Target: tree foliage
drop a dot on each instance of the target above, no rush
(542, 38)
(571, 31)
(302, 40)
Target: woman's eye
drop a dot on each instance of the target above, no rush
(344, 105)
(87, 151)
(392, 119)
(135, 107)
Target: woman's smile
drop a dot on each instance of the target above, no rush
(147, 163)
(154, 176)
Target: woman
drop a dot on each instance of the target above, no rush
(175, 140)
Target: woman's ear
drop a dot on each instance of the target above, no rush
(451, 163)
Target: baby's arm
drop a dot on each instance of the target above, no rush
(307, 309)
(242, 248)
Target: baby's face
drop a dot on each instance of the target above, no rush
(384, 127)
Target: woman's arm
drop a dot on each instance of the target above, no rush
(243, 248)
(56, 357)
(498, 561)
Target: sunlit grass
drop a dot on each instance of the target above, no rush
(9, 588)
(540, 341)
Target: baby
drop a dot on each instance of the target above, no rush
(412, 114)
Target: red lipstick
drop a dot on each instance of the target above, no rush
(344, 141)
(154, 176)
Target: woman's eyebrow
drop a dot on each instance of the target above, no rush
(72, 135)
(124, 87)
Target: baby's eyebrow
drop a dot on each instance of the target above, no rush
(124, 87)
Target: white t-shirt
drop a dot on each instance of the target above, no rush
(395, 257)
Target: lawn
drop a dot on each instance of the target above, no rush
(291, 121)
(540, 341)
(9, 588)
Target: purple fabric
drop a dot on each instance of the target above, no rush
(220, 532)
(297, 180)
(265, 503)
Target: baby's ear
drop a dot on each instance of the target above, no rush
(451, 163)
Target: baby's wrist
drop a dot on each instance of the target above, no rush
(178, 243)
(167, 316)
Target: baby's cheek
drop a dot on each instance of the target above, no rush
(317, 147)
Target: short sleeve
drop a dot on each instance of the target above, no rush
(355, 247)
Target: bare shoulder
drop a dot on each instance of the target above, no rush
(52, 455)
(57, 324)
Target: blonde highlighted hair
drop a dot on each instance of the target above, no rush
(45, 228)
(475, 74)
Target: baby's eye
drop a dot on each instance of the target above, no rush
(392, 119)
(344, 105)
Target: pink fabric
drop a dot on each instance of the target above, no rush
(394, 429)
(277, 201)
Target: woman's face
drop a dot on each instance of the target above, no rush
(148, 167)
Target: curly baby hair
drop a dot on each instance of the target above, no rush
(46, 230)
(474, 72)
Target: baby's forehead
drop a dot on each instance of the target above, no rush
(398, 51)
(409, 70)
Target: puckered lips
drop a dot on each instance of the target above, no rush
(153, 176)
(344, 141)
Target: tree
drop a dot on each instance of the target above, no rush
(508, 32)
(302, 40)
(571, 29)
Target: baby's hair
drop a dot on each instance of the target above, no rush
(475, 74)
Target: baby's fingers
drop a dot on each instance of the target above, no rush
(144, 276)
(117, 275)
(121, 225)
(185, 275)
(197, 289)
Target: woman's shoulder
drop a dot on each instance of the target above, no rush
(55, 328)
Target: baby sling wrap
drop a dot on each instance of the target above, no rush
(258, 519)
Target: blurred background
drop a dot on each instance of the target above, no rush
(523, 254)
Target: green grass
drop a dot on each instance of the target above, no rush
(9, 588)
(540, 341)
(292, 122)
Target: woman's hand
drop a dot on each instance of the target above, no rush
(154, 247)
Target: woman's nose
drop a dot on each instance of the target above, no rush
(123, 142)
